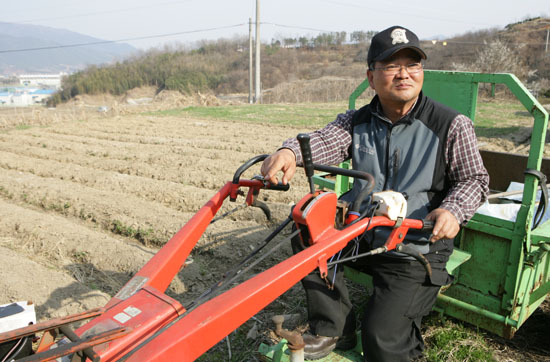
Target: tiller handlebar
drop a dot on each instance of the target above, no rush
(161, 329)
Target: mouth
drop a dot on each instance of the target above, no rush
(403, 86)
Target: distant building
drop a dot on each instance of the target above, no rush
(41, 95)
(5, 98)
(41, 80)
(33, 89)
(23, 98)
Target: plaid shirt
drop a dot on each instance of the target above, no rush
(469, 178)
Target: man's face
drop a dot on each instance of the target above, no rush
(400, 88)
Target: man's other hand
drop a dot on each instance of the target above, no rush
(283, 160)
(446, 225)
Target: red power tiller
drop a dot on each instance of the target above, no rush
(141, 323)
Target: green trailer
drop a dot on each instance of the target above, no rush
(501, 267)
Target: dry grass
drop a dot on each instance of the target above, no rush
(325, 89)
(89, 107)
(22, 117)
(55, 254)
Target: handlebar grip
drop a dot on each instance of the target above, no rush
(278, 187)
(245, 166)
(427, 225)
(307, 160)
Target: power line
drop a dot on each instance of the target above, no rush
(120, 40)
(297, 27)
(150, 37)
(476, 43)
(212, 29)
(426, 41)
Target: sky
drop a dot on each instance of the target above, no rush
(156, 23)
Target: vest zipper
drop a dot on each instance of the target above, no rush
(388, 136)
(395, 168)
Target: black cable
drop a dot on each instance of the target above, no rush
(372, 210)
(120, 40)
(297, 27)
(228, 213)
(16, 349)
(161, 330)
(243, 271)
(229, 275)
(450, 41)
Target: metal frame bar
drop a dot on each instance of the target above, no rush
(520, 275)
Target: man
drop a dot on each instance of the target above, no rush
(410, 144)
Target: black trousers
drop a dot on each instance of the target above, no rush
(403, 294)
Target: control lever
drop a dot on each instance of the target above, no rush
(395, 242)
(427, 225)
(303, 139)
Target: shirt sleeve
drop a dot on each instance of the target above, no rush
(330, 145)
(469, 178)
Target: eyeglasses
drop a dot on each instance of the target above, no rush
(394, 69)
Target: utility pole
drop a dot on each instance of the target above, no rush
(257, 94)
(547, 34)
(250, 46)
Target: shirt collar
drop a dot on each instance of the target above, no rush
(407, 118)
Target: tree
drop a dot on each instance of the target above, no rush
(358, 36)
(362, 36)
(340, 37)
(287, 42)
(497, 57)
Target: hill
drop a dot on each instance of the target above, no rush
(521, 44)
(15, 37)
(222, 66)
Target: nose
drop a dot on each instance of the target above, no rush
(402, 73)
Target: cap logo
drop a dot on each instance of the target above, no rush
(398, 36)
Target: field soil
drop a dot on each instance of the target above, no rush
(87, 199)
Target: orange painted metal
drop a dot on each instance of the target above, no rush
(47, 339)
(48, 325)
(73, 347)
(317, 212)
(196, 332)
(145, 312)
(396, 236)
(143, 308)
(163, 267)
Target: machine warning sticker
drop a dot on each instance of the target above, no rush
(122, 317)
(131, 287)
(133, 311)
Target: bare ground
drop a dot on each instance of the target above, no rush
(86, 198)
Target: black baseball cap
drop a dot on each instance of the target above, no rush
(389, 41)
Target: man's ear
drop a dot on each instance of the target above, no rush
(370, 76)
